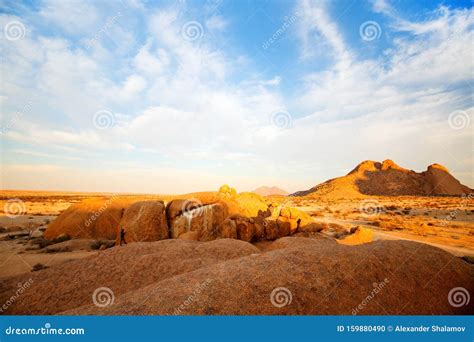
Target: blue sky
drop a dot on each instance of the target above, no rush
(180, 96)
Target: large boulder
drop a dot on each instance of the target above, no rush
(229, 229)
(357, 236)
(246, 203)
(271, 229)
(204, 219)
(144, 221)
(210, 220)
(245, 227)
(96, 218)
(284, 228)
(296, 219)
(120, 269)
(275, 229)
(177, 207)
(308, 277)
(252, 229)
(179, 213)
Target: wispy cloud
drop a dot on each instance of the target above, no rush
(205, 104)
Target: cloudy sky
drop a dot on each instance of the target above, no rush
(181, 96)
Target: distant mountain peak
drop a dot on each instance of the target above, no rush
(267, 191)
(389, 179)
(437, 166)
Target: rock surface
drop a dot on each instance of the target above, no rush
(90, 219)
(388, 179)
(121, 269)
(310, 277)
(144, 221)
(205, 220)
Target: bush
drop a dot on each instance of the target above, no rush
(61, 238)
(42, 242)
(38, 267)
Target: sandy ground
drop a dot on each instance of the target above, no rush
(444, 222)
(15, 259)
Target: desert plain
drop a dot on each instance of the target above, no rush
(380, 240)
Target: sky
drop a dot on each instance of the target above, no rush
(182, 96)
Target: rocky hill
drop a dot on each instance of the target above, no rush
(388, 179)
(268, 191)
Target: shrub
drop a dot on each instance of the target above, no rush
(38, 267)
(41, 242)
(61, 238)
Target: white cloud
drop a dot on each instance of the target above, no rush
(396, 107)
(76, 17)
(177, 102)
(383, 6)
(216, 23)
(314, 22)
(272, 82)
(133, 85)
(151, 63)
